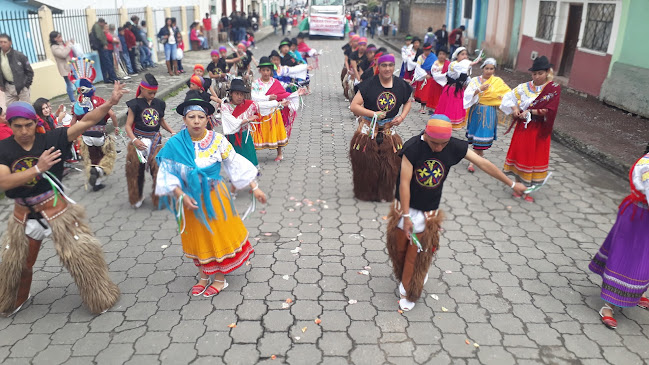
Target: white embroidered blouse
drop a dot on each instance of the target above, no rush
(213, 148)
(522, 95)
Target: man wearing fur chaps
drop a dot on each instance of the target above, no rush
(414, 219)
(143, 121)
(31, 166)
(375, 145)
(97, 148)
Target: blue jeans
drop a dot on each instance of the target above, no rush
(126, 57)
(203, 41)
(170, 52)
(145, 56)
(69, 88)
(241, 34)
(363, 32)
(107, 68)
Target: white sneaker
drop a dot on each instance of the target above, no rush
(139, 203)
(405, 304)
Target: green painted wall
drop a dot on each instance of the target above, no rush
(631, 43)
(516, 27)
(481, 21)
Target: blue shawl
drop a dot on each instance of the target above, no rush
(179, 150)
(428, 62)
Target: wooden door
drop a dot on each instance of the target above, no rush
(572, 38)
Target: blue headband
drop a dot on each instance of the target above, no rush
(190, 108)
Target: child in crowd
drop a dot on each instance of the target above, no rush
(180, 45)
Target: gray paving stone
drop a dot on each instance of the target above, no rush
(178, 353)
(115, 354)
(152, 343)
(53, 354)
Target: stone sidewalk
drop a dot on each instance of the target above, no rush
(510, 284)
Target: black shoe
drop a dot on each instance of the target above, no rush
(94, 174)
(98, 187)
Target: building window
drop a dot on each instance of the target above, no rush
(468, 9)
(599, 24)
(547, 14)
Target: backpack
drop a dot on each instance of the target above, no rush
(95, 43)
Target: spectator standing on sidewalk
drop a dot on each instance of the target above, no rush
(131, 44)
(99, 43)
(385, 24)
(167, 36)
(374, 23)
(145, 52)
(225, 25)
(207, 30)
(16, 74)
(61, 51)
(5, 130)
(442, 38)
(123, 51)
(455, 38)
(283, 22)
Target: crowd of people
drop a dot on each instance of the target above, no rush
(255, 114)
(412, 174)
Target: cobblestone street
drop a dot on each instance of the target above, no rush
(510, 284)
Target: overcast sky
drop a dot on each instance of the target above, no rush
(104, 4)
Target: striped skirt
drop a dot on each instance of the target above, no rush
(482, 124)
(623, 259)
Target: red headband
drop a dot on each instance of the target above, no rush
(199, 67)
(196, 80)
(145, 85)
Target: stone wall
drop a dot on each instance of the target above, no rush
(425, 14)
(625, 88)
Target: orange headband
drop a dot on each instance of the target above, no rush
(439, 127)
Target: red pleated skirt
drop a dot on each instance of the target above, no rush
(422, 94)
(435, 91)
(529, 153)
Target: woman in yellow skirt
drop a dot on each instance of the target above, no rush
(212, 233)
(271, 96)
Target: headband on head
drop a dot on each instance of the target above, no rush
(489, 61)
(190, 108)
(241, 44)
(356, 37)
(197, 80)
(371, 48)
(145, 85)
(21, 109)
(215, 52)
(223, 48)
(457, 52)
(386, 58)
(198, 66)
(439, 127)
(362, 40)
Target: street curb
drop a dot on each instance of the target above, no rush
(617, 167)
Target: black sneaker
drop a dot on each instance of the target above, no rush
(94, 174)
(98, 187)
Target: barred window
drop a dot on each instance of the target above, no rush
(547, 14)
(599, 25)
(468, 9)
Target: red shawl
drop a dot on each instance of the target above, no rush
(445, 67)
(548, 99)
(238, 110)
(278, 89)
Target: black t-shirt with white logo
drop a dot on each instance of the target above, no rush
(17, 159)
(147, 117)
(430, 170)
(217, 68)
(378, 98)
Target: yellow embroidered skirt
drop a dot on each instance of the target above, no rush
(270, 133)
(224, 249)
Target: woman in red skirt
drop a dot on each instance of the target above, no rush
(438, 73)
(534, 106)
(422, 87)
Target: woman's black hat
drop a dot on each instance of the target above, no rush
(265, 62)
(193, 97)
(274, 53)
(238, 85)
(285, 42)
(541, 63)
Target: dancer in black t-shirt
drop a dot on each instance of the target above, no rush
(143, 121)
(374, 146)
(414, 219)
(31, 167)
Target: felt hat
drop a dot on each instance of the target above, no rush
(274, 53)
(408, 37)
(193, 97)
(265, 62)
(427, 46)
(294, 41)
(541, 63)
(285, 42)
(238, 85)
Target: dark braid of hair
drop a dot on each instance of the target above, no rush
(458, 83)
